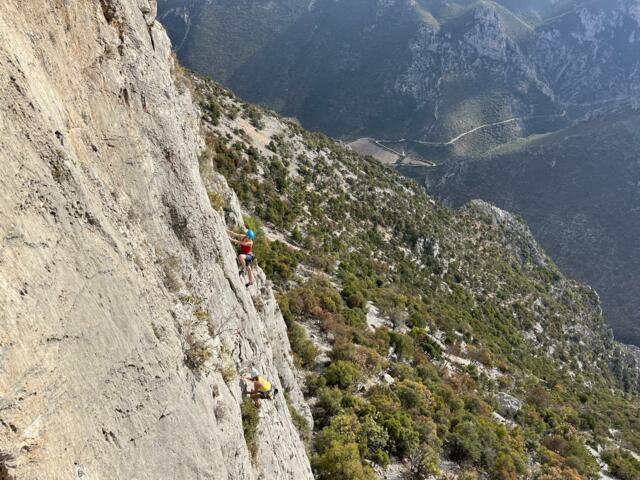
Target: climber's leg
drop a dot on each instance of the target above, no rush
(255, 396)
(243, 263)
(248, 269)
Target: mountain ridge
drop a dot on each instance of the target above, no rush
(593, 170)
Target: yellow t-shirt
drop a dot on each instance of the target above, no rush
(265, 386)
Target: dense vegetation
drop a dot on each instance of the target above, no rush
(468, 307)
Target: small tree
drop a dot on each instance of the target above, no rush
(342, 373)
(341, 461)
(425, 462)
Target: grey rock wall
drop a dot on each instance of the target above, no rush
(113, 265)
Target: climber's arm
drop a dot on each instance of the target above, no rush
(235, 237)
(234, 234)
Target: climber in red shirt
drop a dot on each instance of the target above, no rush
(246, 256)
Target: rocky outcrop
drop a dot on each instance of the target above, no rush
(480, 46)
(125, 326)
(508, 405)
(590, 55)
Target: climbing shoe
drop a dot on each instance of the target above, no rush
(249, 284)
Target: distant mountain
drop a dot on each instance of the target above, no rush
(363, 67)
(492, 90)
(427, 69)
(218, 37)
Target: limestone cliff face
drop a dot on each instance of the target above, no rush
(591, 55)
(114, 268)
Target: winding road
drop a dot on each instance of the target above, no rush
(402, 155)
(473, 130)
(404, 159)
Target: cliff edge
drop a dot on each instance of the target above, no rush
(125, 325)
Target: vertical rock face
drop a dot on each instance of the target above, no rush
(114, 268)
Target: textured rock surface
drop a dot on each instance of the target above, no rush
(591, 55)
(113, 264)
(507, 404)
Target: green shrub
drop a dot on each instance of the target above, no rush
(296, 235)
(217, 201)
(314, 298)
(402, 345)
(202, 315)
(196, 355)
(254, 224)
(254, 115)
(226, 158)
(341, 461)
(380, 457)
(402, 371)
(425, 463)
(342, 374)
(355, 317)
(211, 110)
(303, 348)
(314, 382)
(574, 453)
(343, 350)
(427, 429)
(464, 443)
(508, 467)
(250, 420)
(329, 404)
(539, 397)
(403, 438)
(622, 464)
(344, 428)
(374, 438)
(413, 395)
(431, 348)
(233, 111)
(354, 298)
(470, 474)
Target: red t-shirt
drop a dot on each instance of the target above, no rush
(245, 249)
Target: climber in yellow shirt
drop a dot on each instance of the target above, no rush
(262, 388)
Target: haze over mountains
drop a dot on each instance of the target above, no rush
(528, 104)
(423, 69)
